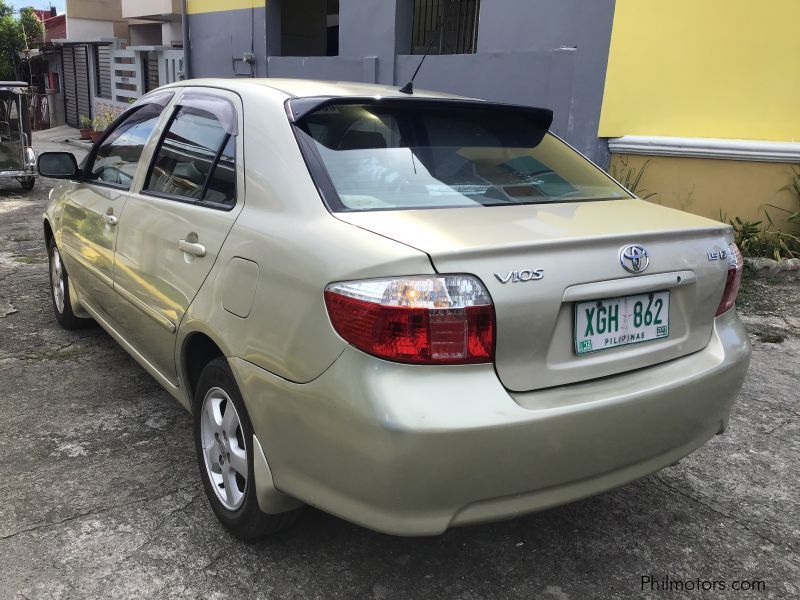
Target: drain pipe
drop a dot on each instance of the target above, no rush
(187, 61)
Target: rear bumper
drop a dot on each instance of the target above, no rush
(413, 450)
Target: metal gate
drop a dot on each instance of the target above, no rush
(150, 64)
(77, 100)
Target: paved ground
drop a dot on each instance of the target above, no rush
(101, 497)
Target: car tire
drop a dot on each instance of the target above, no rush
(221, 435)
(27, 183)
(59, 291)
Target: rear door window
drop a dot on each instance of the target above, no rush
(195, 160)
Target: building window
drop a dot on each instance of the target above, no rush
(333, 27)
(150, 67)
(102, 71)
(445, 26)
(310, 28)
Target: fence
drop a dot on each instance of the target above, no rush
(136, 71)
(40, 112)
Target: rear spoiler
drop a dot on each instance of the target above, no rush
(297, 108)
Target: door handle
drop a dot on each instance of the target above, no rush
(110, 219)
(192, 248)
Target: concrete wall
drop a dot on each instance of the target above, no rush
(132, 9)
(103, 106)
(145, 34)
(707, 186)
(323, 67)
(172, 33)
(536, 52)
(365, 31)
(89, 29)
(544, 78)
(105, 10)
(216, 38)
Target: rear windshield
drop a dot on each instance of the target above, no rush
(412, 155)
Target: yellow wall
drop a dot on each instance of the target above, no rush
(704, 68)
(202, 6)
(705, 186)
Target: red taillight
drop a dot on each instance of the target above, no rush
(422, 320)
(735, 268)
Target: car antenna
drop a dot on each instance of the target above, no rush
(409, 87)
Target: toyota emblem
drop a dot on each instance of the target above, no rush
(634, 258)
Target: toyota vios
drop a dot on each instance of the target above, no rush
(413, 311)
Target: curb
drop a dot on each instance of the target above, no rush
(767, 267)
(80, 143)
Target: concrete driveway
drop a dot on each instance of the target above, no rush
(101, 496)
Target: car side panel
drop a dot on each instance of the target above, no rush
(287, 330)
(88, 241)
(298, 248)
(156, 281)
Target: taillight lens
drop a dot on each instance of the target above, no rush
(446, 319)
(735, 269)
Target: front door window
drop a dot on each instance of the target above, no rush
(115, 161)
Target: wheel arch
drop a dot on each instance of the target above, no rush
(198, 349)
(48, 231)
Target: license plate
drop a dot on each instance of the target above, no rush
(613, 322)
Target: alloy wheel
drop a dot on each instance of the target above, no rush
(57, 279)
(224, 448)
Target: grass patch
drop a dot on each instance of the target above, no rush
(769, 338)
(30, 260)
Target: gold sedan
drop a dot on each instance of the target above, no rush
(413, 311)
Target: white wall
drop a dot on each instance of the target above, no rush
(88, 29)
(171, 31)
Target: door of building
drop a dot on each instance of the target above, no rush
(77, 100)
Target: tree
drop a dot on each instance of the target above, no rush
(32, 26)
(17, 35)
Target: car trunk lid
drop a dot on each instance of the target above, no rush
(576, 247)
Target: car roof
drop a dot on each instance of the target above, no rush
(303, 88)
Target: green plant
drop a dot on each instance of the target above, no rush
(784, 244)
(794, 185)
(103, 120)
(747, 235)
(631, 177)
(85, 121)
(755, 238)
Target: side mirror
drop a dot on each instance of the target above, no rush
(58, 165)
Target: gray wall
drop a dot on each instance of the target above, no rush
(584, 25)
(217, 41)
(550, 53)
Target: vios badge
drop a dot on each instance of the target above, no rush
(523, 275)
(634, 258)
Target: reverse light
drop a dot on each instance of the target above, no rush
(735, 269)
(444, 319)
